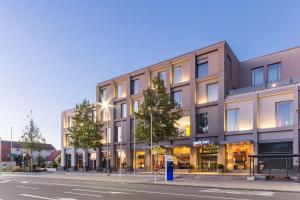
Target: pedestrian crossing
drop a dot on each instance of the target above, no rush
(239, 192)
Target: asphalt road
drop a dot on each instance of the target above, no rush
(27, 188)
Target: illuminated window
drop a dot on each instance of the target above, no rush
(232, 118)
(184, 126)
(119, 91)
(135, 106)
(123, 110)
(108, 135)
(103, 95)
(284, 113)
(177, 75)
(212, 92)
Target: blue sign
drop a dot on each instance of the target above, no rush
(169, 168)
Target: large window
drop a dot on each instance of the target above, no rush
(124, 110)
(108, 135)
(274, 72)
(118, 134)
(177, 96)
(105, 114)
(202, 123)
(232, 118)
(163, 76)
(212, 92)
(177, 75)
(184, 126)
(135, 106)
(103, 95)
(135, 86)
(202, 68)
(119, 91)
(257, 76)
(284, 113)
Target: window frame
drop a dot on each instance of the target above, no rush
(135, 89)
(174, 69)
(179, 105)
(238, 120)
(276, 113)
(200, 62)
(273, 65)
(207, 95)
(119, 95)
(253, 77)
(198, 122)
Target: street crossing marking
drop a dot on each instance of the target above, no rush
(260, 193)
(83, 194)
(104, 192)
(32, 188)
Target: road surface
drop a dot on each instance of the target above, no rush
(34, 188)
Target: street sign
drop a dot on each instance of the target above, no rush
(169, 168)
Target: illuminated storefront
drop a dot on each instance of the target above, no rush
(121, 156)
(181, 157)
(207, 155)
(140, 160)
(237, 156)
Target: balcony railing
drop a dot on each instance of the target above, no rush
(264, 86)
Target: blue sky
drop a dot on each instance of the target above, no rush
(52, 53)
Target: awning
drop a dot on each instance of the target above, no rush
(236, 141)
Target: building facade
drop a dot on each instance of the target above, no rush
(231, 109)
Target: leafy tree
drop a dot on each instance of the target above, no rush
(40, 161)
(31, 140)
(164, 117)
(86, 131)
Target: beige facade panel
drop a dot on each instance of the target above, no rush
(267, 109)
(202, 90)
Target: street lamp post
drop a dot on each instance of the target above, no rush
(121, 145)
(11, 158)
(134, 161)
(151, 145)
(107, 139)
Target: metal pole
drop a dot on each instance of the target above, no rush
(134, 162)
(151, 164)
(107, 139)
(11, 158)
(121, 145)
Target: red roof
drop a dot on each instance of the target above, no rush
(5, 149)
(53, 155)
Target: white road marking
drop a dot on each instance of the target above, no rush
(82, 194)
(140, 191)
(24, 182)
(5, 181)
(108, 192)
(260, 193)
(37, 197)
(47, 198)
(32, 188)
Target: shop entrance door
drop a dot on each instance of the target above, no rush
(208, 163)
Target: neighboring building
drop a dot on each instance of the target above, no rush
(230, 109)
(17, 153)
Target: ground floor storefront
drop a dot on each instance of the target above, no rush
(203, 155)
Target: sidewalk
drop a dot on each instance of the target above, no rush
(201, 181)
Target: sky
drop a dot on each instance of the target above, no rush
(53, 52)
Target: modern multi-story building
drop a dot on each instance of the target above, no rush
(231, 109)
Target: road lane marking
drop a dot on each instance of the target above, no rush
(141, 191)
(24, 182)
(32, 188)
(6, 181)
(37, 197)
(47, 198)
(108, 192)
(83, 194)
(260, 193)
